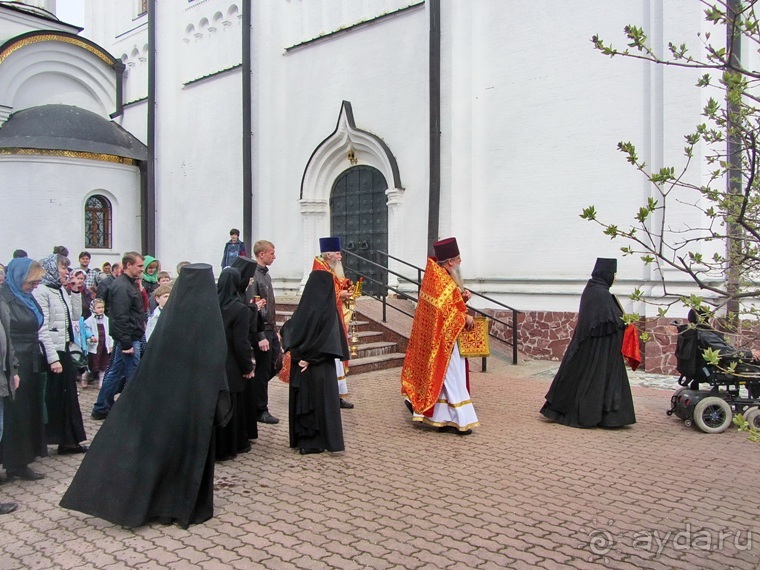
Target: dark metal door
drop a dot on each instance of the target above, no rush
(359, 215)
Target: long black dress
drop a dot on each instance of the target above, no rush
(315, 334)
(233, 438)
(247, 268)
(591, 386)
(153, 458)
(24, 433)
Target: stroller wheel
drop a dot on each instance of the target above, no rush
(713, 415)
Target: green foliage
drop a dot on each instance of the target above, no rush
(727, 201)
(743, 425)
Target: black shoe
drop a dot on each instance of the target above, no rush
(452, 429)
(62, 450)
(267, 418)
(409, 407)
(24, 473)
(99, 416)
(310, 450)
(346, 405)
(6, 508)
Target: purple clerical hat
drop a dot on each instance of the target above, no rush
(329, 244)
(446, 249)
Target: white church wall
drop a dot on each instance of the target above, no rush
(380, 69)
(63, 185)
(531, 129)
(531, 115)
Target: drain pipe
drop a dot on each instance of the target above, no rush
(434, 79)
(247, 129)
(148, 202)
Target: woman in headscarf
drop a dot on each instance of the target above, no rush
(591, 386)
(153, 458)
(60, 309)
(24, 425)
(233, 438)
(150, 275)
(314, 337)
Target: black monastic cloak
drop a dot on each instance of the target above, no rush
(591, 386)
(315, 334)
(233, 438)
(247, 268)
(153, 457)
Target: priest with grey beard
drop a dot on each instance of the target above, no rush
(330, 260)
(434, 378)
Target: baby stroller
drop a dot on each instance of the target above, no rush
(708, 395)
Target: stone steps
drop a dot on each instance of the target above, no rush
(379, 348)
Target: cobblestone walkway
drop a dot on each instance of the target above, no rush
(518, 493)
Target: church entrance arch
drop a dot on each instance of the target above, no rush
(359, 215)
(351, 187)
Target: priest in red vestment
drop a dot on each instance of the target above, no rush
(434, 378)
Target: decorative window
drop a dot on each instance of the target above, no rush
(142, 7)
(97, 223)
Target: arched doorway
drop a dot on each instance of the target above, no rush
(359, 215)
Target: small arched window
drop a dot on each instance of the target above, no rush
(97, 223)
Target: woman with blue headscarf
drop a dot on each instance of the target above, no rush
(23, 426)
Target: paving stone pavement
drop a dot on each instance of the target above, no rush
(518, 493)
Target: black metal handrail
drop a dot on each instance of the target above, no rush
(384, 287)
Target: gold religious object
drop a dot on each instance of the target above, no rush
(350, 317)
(475, 342)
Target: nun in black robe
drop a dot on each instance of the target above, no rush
(233, 438)
(591, 386)
(247, 268)
(314, 335)
(153, 458)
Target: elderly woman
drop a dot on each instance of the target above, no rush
(60, 309)
(24, 427)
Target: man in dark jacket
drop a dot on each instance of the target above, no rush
(127, 325)
(105, 283)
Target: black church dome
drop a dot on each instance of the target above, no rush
(68, 128)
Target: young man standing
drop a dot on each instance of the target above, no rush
(126, 313)
(233, 248)
(91, 273)
(267, 349)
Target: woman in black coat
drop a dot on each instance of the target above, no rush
(591, 386)
(233, 438)
(24, 428)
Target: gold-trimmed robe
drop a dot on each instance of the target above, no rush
(439, 319)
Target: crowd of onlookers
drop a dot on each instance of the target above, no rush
(56, 339)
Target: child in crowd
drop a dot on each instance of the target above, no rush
(163, 279)
(78, 350)
(161, 295)
(100, 343)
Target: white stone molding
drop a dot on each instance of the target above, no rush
(395, 199)
(313, 214)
